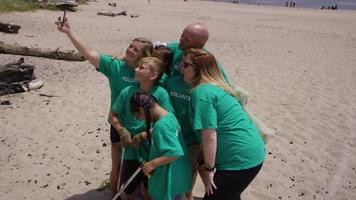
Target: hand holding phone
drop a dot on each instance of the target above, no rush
(63, 18)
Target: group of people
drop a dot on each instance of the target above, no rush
(174, 113)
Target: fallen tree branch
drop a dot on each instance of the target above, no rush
(17, 49)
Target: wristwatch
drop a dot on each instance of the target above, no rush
(210, 169)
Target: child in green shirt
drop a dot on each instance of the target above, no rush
(130, 129)
(167, 167)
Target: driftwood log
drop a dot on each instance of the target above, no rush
(112, 14)
(17, 49)
(16, 72)
(9, 28)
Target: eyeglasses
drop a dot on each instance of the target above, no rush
(187, 64)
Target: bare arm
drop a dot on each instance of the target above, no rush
(125, 136)
(114, 120)
(148, 167)
(84, 50)
(208, 140)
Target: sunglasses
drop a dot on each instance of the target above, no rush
(187, 64)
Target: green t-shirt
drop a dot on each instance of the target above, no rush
(119, 74)
(177, 59)
(131, 123)
(173, 178)
(179, 91)
(239, 144)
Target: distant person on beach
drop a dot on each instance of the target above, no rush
(233, 150)
(120, 74)
(195, 35)
(148, 72)
(168, 164)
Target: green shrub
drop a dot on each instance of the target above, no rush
(18, 5)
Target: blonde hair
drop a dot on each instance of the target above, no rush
(165, 55)
(148, 46)
(146, 49)
(207, 70)
(155, 65)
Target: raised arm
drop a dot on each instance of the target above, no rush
(84, 50)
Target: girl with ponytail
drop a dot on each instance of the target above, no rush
(168, 163)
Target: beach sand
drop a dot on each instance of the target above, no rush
(297, 64)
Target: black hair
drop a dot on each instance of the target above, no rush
(165, 54)
(142, 99)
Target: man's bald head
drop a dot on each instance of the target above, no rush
(194, 36)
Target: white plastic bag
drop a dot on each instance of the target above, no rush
(265, 132)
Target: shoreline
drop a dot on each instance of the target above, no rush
(341, 7)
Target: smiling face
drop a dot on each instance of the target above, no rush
(144, 73)
(194, 36)
(188, 70)
(134, 52)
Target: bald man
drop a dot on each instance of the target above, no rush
(194, 36)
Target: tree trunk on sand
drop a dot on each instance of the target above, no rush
(17, 49)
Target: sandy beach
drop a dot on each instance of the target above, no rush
(299, 66)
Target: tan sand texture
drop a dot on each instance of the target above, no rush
(299, 66)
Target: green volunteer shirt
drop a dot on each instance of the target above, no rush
(177, 59)
(131, 123)
(119, 74)
(173, 178)
(179, 91)
(239, 144)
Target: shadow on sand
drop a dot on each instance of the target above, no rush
(93, 194)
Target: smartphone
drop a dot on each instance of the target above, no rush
(64, 16)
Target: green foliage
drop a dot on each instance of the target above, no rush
(105, 184)
(18, 5)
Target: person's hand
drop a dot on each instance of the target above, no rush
(65, 28)
(125, 137)
(138, 139)
(208, 180)
(148, 168)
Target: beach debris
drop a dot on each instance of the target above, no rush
(16, 72)
(134, 15)
(9, 27)
(47, 95)
(17, 49)
(112, 4)
(17, 77)
(112, 14)
(5, 102)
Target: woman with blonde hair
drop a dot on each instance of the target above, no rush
(233, 150)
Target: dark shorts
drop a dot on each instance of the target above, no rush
(130, 166)
(231, 183)
(114, 135)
